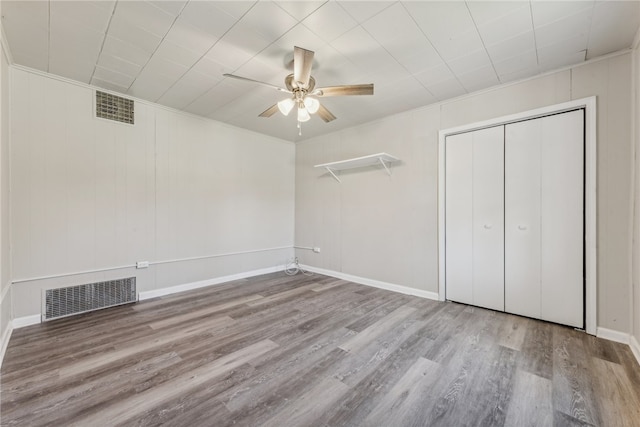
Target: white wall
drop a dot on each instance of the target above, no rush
(93, 194)
(6, 312)
(635, 342)
(385, 228)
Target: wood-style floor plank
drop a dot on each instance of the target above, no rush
(312, 351)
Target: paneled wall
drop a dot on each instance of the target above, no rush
(384, 228)
(6, 311)
(91, 194)
(636, 219)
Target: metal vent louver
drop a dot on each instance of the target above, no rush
(63, 302)
(114, 107)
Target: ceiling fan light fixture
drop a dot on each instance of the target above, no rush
(312, 105)
(286, 105)
(303, 114)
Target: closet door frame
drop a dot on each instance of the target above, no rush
(590, 267)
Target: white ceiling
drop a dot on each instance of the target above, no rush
(415, 52)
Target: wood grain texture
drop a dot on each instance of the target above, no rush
(301, 351)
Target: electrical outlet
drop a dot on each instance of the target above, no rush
(142, 264)
(316, 250)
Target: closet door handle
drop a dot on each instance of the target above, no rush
(522, 227)
(487, 226)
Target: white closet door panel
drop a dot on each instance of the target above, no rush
(459, 218)
(522, 218)
(562, 218)
(488, 218)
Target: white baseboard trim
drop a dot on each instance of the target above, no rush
(611, 335)
(635, 347)
(6, 335)
(21, 322)
(204, 283)
(375, 283)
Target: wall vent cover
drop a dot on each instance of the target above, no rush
(63, 302)
(112, 107)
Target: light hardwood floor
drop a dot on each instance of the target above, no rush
(312, 351)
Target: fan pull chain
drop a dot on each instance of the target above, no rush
(299, 128)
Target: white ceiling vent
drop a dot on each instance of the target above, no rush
(112, 107)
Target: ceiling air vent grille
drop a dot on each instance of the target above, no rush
(63, 302)
(112, 107)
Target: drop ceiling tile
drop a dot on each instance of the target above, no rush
(114, 63)
(108, 86)
(28, 14)
(515, 22)
(520, 62)
(90, 14)
(473, 61)
(127, 31)
(298, 36)
(211, 68)
(564, 28)
(215, 98)
(330, 21)
(562, 48)
(486, 11)
(73, 41)
(172, 52)
(172, 7)
(434, 75)
(439, 20)
(144, 15)
(623, 16)
(190, 37)
(245, 40)
(262, 71)
(39, 62)
(478, 79)
(519, 75)
(447, 89)
(186, 90)
(546, 12)
(278, 22)
(300, 9)
(363, 10)
(125, 51)
(207, 17)
(511, 47)
(150, 85)
(362, 49)
(236, 9)
(162, 67)
(71, 67)
(225, 53)
(552, 63)
(113, 77)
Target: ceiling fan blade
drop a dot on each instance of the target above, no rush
(325, 114)
(302, 63)
(364, 89)
(233, 76)
(269, 111)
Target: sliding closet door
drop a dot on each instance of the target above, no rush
(544, 218)
(475, 218)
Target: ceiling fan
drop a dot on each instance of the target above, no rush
(301, 86)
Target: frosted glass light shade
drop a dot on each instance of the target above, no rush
(312, 105)
(303, 115)
(286, 105)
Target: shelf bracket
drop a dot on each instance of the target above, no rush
(333, 174)
(385, 166)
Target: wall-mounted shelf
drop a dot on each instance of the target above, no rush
(383, 159)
